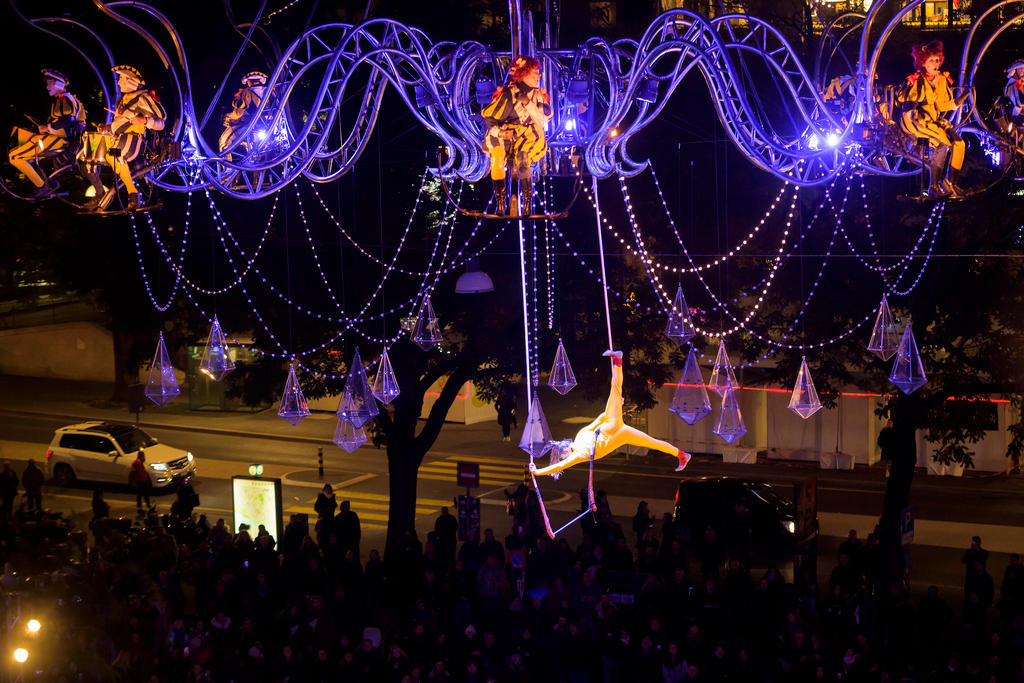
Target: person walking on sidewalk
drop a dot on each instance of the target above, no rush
(506, 408)
(139, 478)
(8, 490)
(32, 480)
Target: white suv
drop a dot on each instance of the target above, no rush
(104, 451)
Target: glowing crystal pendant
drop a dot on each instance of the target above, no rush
(722, 375)
(347, 437)
(293, 408)
(161, 384)
(385, 384)
(804, 401)
(562, 378)
(680, 326)
(216, 362)
(357, 405)
(690, 402)
(908, 372)
(426, 333)
(536, 439)
(730, 425)
(885, 336)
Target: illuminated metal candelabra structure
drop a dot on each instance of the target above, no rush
(603, 93)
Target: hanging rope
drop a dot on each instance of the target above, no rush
(591, 503)
(604, 276)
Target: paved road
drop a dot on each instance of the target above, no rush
(949, 510)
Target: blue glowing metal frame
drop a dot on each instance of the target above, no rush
(311, 138)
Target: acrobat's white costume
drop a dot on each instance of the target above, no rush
(606, 433)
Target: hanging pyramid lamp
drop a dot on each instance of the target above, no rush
(385, 384)
(536, 439)
(907, 372)
(426, 333)
(722, 375)
(293, 408)
(562, 378)
(357, 405)
(216, 362)
(804, 401)
(161, 384)
(730, 425)
(347, 437)
(690, 402)
(680, 326)
(885, 336)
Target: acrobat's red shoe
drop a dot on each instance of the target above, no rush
(616, 357)
(684, 460)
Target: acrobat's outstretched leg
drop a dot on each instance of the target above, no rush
(631, 436)
(612, 417)
(617, 434)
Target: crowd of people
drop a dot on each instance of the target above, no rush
(176, 597)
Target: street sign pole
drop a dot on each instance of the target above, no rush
(906, 538)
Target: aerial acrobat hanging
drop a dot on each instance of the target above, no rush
(606, 434)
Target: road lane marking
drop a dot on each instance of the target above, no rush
(506, 462)
(451, 479)
(503, 467)
(354, 480)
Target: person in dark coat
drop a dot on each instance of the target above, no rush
(349, 530)
(186, 499)
(446, 527)
(8, 490)
(32, 480)
(325, 506)
(100, 507)
(506, 407)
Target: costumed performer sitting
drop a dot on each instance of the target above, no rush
(136, 112)
(840, 95)
(923, 99)
(66, 122)
(516, 117)
(243, 107)
(606, 433)
(1014, 93)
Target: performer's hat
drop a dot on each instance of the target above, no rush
(1019, 64)
(53, 74)
(254, 78)
(131, 72)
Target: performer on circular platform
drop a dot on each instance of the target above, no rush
(243, 107)
(64, 125)
(516, 117)
(1014, 92)
(137, 111)
(606, 433)
(924, 98)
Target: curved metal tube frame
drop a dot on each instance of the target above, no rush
(435, 82)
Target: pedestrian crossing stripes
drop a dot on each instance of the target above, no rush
(501, 474)
(504, 463)
(372, 508)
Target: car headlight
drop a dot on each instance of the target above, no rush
(159, 467)
(189, 454)
(791, 527)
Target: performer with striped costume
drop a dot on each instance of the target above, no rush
(64, 125)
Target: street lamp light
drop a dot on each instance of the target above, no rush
(33, 626)
(21, 655)
(474, 280)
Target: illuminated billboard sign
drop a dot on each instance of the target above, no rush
(255, 501)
